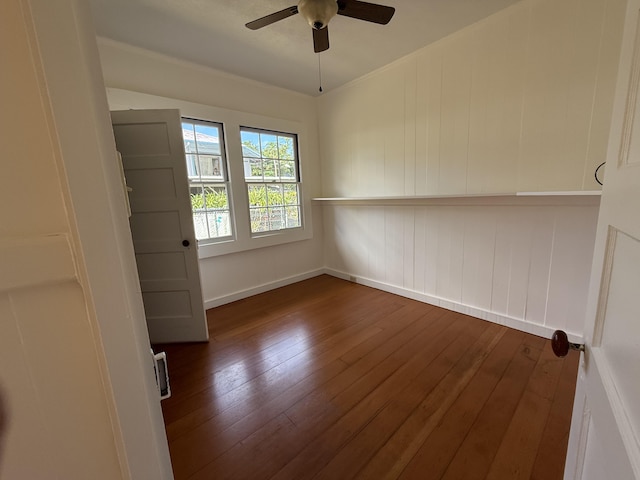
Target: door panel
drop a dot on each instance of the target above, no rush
(606, 421)
(146, 183)
(619, 338)
(161, 266)
(151, 145)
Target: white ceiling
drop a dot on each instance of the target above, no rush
(212, 33)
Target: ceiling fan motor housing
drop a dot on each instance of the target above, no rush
(318, 12)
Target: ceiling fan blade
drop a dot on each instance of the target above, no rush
(272, 18)
(320, 40)
(369, 12)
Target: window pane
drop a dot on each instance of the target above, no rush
(271, 168)
(210, 166)
(293, 217)
(250, 143)
(200, 225)
(197, 197)
(275, 197)
(257, 196)
(207, 139)
(192, 166)
(224, 223)
(291, 194)
(287, 170)
(219, 223)
(285, 148)
(188, 137)
(268, 145)
(276, 218)
(259, 220)
(216, 196)
(253, 169)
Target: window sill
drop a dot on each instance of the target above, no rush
(227, 247)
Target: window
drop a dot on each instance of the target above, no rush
(208, 179)
(271, 174)
(219, 171)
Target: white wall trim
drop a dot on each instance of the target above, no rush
(511, 322)
(77, 111)
(239, 295)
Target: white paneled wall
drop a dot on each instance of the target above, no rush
(518, 102)
(523, 265)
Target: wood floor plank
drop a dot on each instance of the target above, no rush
(404, 325)
(229, 381)
(314, 403)
(264, 456)
(330, 379)
(476, 453)
(274, 303)
(317, 293)
(337, 304)
(410, 416)
(224, 410)
(517, 452)
(323, 365)
(203, 425)
(414, 360)
(291, 327)
(550, 459)
(440, 446)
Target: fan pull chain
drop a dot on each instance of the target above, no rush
(319, 74)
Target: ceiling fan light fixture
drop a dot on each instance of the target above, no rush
(318, 13)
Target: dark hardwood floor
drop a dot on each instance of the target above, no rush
(327, 379)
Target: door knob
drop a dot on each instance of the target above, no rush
(561, 344)
(185, 243)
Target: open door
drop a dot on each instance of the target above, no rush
(152, 149)
(605, 429)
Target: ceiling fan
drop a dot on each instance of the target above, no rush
(319, 12)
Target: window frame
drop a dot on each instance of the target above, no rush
(297, 181)
(224, 160)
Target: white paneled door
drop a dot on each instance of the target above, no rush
(152, 149)
(605, 430)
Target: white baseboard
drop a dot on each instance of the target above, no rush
(511, 322)
(223, 300)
